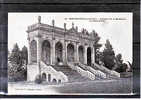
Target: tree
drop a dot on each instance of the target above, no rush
(15, 55)
(119, 58)
(16, 65)
(119, 65)
(108, 55)
(97, 46)
(25, 54)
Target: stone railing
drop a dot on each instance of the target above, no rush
(31, 27)
(95, 72)
(81, 71)
(106, 70)
(58, 75)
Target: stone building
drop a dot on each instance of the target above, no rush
(50, 45)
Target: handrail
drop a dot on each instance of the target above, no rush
(81, 71)
(106, 70)
(54, 72)
(96, 72)
(50, 68)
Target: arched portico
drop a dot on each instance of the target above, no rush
(44, 76)
(59, 52)
(81, 54)
(46, 52)
(70, 52)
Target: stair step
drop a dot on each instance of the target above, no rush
(72, 75)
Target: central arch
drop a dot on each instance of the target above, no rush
(81, 54)
(33, 48)
(46, 52)
(70, 52)
(89, 56)
(44, 77)
(58, 51)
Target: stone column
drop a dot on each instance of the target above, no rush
(85, 55)
(77, 53)
(29, 52)
(38, 50)
(65, 52)
(38, 54)
(53, 59)
(93, 55)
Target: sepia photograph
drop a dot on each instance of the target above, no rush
(70, 53)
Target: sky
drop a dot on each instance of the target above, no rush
(117, 27)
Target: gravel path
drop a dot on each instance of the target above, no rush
(122, 85)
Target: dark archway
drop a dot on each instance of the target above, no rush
(46, 52)
(89, 56)
(54, 81)
(59, 81)
(44, 77)
(49, 77)
(70, 53)
(33, 51)
(58, 52)
(81, 54)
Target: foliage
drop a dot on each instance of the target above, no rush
(17, 64)
(15, 55)
(25, 54)
(108, 55)
(97, 46)
(121, 67)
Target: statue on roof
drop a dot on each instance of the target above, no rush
(65, 26)
(72, 25)
(39, 19)
(53, 22)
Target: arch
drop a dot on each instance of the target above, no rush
(33, 48)
(59, 81)
(70, 52)
(54, 81)
(49, 77)
(44, 76)
(89, 56)
(58, 52)
(81, 53)
(46, 52)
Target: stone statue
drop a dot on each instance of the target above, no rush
(39, 19)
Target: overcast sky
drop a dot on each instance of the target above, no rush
(119, 32)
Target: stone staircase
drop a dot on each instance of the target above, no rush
(73, 75)
(56, 76)
(72, 72)
(98, 74)
(109, 73)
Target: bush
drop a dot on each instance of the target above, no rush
(38, 79)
